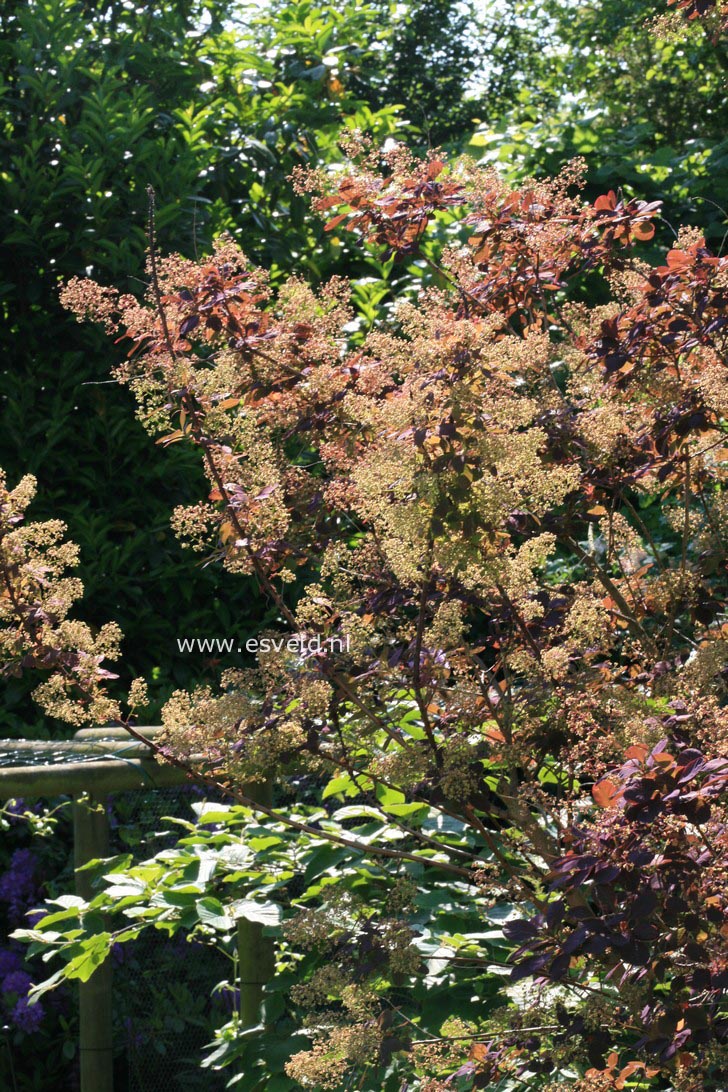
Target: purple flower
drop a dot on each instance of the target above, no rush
(134, 1038)
(17, 808)
(22, 866)
(27, 1017)
(9, 961)
(111, 814)
(18, 884)
(17, 982)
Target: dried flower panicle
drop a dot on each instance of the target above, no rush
(36, 632)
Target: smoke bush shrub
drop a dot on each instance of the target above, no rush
(497, 519)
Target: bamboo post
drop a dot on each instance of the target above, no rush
(256, 954)
(96, 1047)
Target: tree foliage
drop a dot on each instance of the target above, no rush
(641, 95)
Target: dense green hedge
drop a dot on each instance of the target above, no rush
(96, 101)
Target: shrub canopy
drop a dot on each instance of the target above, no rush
(493, 526)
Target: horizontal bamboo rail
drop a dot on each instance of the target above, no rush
(87, 741)
(116, 732)
(102, 777)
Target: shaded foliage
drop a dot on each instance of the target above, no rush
(644, 104)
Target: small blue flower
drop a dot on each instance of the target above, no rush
(27, 1017)
(9, 961)
(17, 982)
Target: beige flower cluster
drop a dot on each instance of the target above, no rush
(36, 596)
